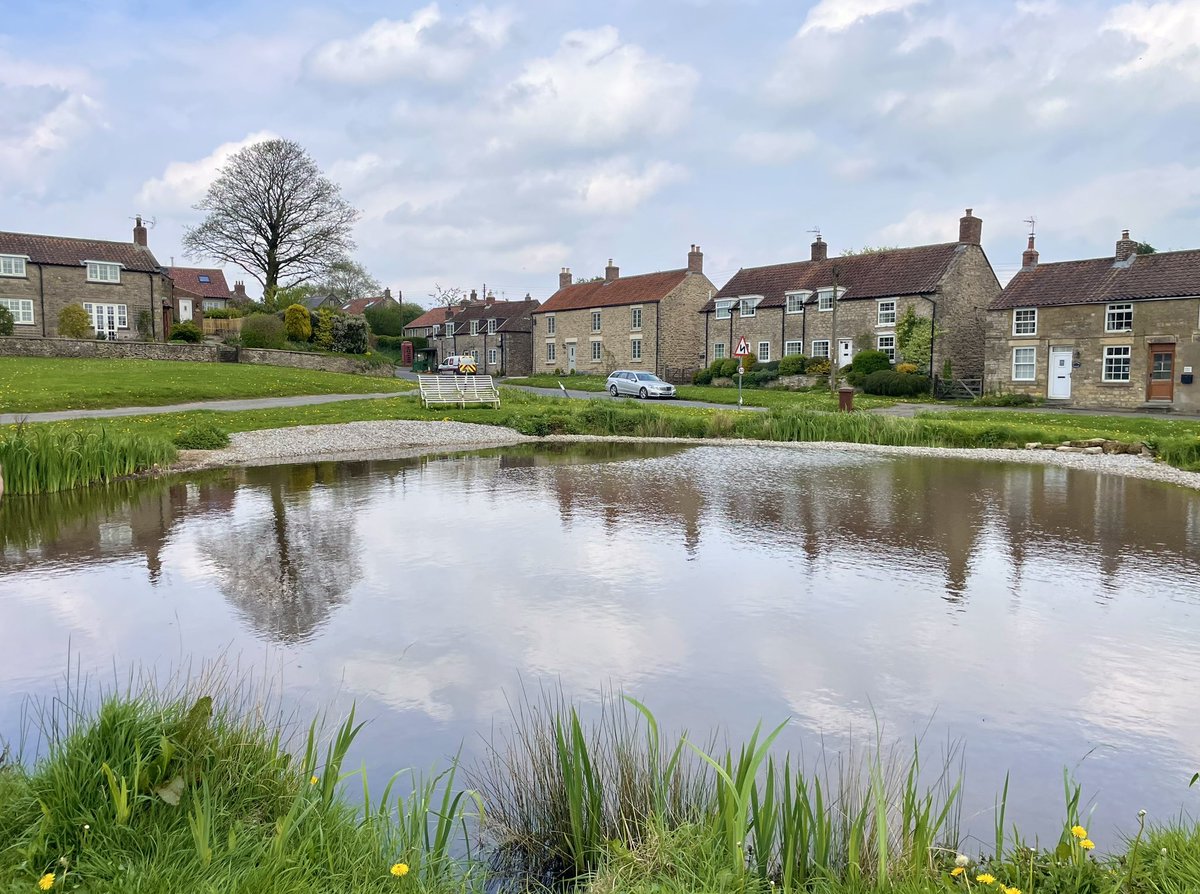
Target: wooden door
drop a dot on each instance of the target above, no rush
(1161, 381)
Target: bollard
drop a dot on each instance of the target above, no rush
(845, 399)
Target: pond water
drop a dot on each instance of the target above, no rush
(1046, 618)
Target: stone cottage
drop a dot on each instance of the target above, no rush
(498, 334)
(1115, 332)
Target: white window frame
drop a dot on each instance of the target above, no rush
(883, 315)
(764, 352)
(597, 321)
(549, 324)
(1111, 352)
(719, 351)
(788, 348)
(748, 306)
(1018, 323)
(889, 349)
(103, 272)
(817, 352)
(551, 351)
(635, 318)
(491, 326)
(449, 329)
(95, 309)
(474, 327)
(795, 302)
(13, 266)
(213, 304)
(635, 349)
(1122, 307)
(1031, 364)
(492, 356)
(474, 354)
(725, 308)
(19, 308)
(597, 350)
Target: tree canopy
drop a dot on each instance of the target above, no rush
(347, 280)
(274, 214)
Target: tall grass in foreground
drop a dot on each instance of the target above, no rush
(36, 459)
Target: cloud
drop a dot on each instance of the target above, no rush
(774, 147)
(612, 186)
(1168, 35)
(184, 183)
(428, 46)
(838, 15)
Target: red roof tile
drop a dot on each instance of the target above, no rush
(68, 252)
(879, 274)
(645, 288)
(189, 278)
(1168, 274)
(434, 317)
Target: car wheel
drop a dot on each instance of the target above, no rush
(612, 389)
(643, 394)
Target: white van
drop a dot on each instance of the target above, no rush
(458, 364)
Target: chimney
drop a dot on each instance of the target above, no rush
(820, 250)
(239, 289)
(139, 232)
(970, 228)
(1030, 258)
(387, 294)
(1126, 247)
(611, 273)
(564, 277)
(474, 296)
(490, 299)
(695, 260)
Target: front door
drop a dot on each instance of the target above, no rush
(570, 358)
(1060, 373)
(845, 351)
(1162, 373)
(185, 309)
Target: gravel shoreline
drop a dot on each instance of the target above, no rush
(396, 439)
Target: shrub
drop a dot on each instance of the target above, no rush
(296, 324)
(729, 367)
(350, 334)
(387, 319)
(262, 331)
(893, 384)
(792, 365)
(145, 325)
(760, 377)
(748, 363)
(716, 365)
(74, 322)
(393, 342)
(703, 376)
(323, 330)
(817, 367)
(906, 368)
(1005, 399)
(186, 331)
(867, 362)
(6, 321)
(771, 366)
(204, 436)
(223, 313)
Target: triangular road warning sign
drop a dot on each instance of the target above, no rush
(743, 348)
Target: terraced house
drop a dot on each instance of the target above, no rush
(788, 308)
(649, 321)
(498, 334)
(1112, 332)
(121, 285)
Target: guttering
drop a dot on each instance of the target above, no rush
(42, 298)
(657, 338)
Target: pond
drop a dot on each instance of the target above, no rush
(1046, 618)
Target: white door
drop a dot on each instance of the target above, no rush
(185, 309)
(1060, 374)
(570, 358)
(845, 351)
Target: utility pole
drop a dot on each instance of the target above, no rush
(834, 350)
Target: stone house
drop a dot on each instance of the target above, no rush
(498, 334)
(362, 305)
(1115, 332)
(120, 284)
(425, 325)
(789, 308)
(197, 289)
(650, 321)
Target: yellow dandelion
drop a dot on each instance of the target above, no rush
(957, 871)
(985, 878)
(1012, 891)
(1087, 844)
(46, 882)
(1079, 832)
(399, 869)
(314, 780)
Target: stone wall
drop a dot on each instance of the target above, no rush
(963, 297)
(53, 287)
(616, 335)
(309, 360)
(681, 344)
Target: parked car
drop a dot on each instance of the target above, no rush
(452, 365)
(638, 384)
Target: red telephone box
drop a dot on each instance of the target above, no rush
(406, 353)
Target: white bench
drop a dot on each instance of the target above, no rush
(460, 390)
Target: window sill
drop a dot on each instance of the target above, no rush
(1123, 384)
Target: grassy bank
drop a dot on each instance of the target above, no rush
(47, 460)
(197, 792)
(32, 385)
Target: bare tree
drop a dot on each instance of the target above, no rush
(274, 214)
(445, 297)
(347, 280)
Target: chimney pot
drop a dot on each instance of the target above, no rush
(695, 260)
(1126, 247)
(1030, 258)
(611, 273)
(970, 229)
(820, 250)
(564, 277)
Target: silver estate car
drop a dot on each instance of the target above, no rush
(638, 384)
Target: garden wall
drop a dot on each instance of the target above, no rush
(309, 360)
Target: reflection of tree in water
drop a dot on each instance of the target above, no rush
(286, 570)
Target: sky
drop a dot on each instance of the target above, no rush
(492, 144)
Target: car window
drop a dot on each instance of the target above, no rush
(647, 377)
(630, 377)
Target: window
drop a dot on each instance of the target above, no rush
(724, 308)
(821, 348)
(437, 330)
(635, 318)
(449, 329)
(886, 314)
(795, 303)
(550, 324)
(213, 304)
(635, 348)
(747, 306)
(551, 351)
(203, 277)
(719, 351)
(1119, 318)
(1116, 363)
(107, 317)
(597, 347)
(99, 271)
(1024, 364)
(474, 352)
(1025, 321)
(12, 265)
(492, 355)
(20, 308)
(825, 300)
(764, 352)
(491, 330)
(595, 321)
(474, 327)
(887, 344)
(793, 347)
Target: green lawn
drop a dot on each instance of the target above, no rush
(31, 385)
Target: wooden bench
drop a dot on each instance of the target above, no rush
(460, 390)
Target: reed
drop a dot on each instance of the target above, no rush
(39, 459)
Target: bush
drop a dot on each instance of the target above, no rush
(388, 319)
(792, 365)
(204, 436)
(761, 377)
(748, 363)
(703, 376)
(145, 325)
(187, 331)
(772, 366)
(262, 331)
(223, 313)
(296, 324)
(729, 367)
(817, 367)
(893, 384)
(323, 330)
(6, 321)
(350, 334)
(74, 322)
(907, 368)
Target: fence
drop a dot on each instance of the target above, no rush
(221, 327)
(680, 375)
(957, 389)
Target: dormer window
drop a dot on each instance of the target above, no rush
(795, 302)
(449, 330)
(474, 327)
(825, 300)
(103, 271)
(12, 265)
(724, 308)
(747, 306)
(491, 327)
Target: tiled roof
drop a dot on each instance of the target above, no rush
(1168, 274)
(497, 310)
(360, 305)
(189, 278)
(644, 288)
(67, 252)
(434, 317)
(879, 274)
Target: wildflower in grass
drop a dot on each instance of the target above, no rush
(1087, 844)
(957, 871)
(985, 878)
(1079, 832)
(314, 780)
(46, 882)
(399, 869)
(962, 860)
(1012, 891)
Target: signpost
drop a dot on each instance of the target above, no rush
(743, 350)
